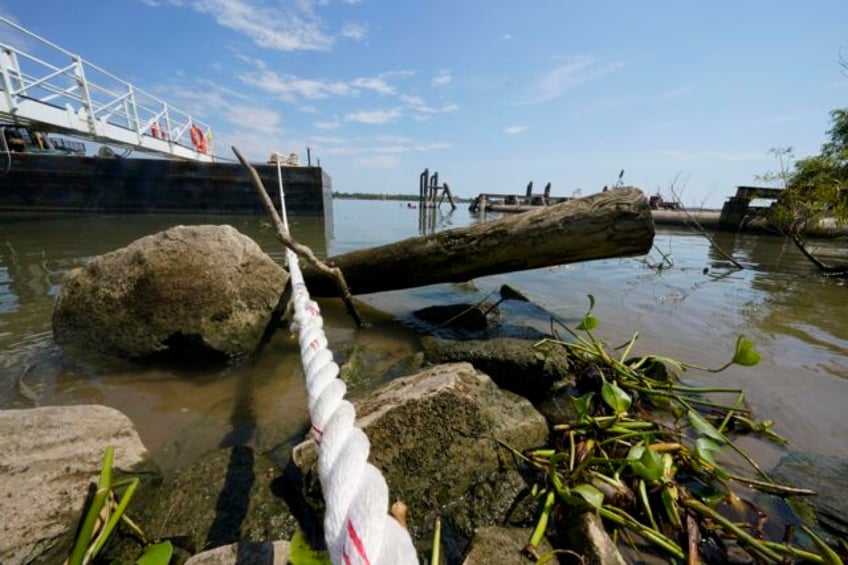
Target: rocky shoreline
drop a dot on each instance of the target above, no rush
(444, 430)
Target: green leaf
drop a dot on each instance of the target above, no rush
(301, 553)
(157, 554)
(703, 427)
(590, 494)
(583, 406)
(615, 397)
(704, 450)
(646, 463)
(588, 323)
(745, 354)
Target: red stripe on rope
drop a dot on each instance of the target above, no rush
(317, 433)
(357, 542)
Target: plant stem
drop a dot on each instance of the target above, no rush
(624, 519)
(772, 488)
(743, 536)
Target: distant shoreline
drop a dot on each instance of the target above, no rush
(398, 197)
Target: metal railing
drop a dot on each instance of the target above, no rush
(62, 92)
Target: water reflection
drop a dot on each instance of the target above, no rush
(432, 220)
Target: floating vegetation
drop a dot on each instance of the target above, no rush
(640, 450)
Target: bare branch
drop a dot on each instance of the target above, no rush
(300, 250)
(690, 218)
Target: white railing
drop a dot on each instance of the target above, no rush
(64, 93)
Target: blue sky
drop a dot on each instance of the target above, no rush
(491, 94)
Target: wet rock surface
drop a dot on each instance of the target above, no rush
(434, 435)
(195, 293)
(828, 476)
(514, 364)
(228, 496)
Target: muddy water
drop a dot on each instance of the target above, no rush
(692, 311)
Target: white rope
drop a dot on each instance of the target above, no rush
(357, 526)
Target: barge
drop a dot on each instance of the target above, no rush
(49, 175)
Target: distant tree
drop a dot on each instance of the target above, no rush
(814, 188)
(817, 186)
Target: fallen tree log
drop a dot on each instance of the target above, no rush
(616, 223)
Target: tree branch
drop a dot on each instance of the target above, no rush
(300, 250)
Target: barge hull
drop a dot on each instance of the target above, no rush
(31, 182)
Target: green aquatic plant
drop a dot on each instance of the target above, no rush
(105, 509)
(641, 450)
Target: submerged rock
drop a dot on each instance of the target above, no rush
(514, 364)
(191, 292)
(828, 476)
(434, 436)
(50, 456)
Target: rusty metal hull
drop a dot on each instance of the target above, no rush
(31, 182)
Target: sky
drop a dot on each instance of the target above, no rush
(492, 94)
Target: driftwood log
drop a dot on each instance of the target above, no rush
(616, 223)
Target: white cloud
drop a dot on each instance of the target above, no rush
(391, 149)
(579, 70)
(390, 139)
(354, 31)
(255, 119)
(506, 36)
(292, 29)
(443, 78)
(514, 130)
(380, 162)
(375, 117)
(328, 124)
(290, 88)
(375, 84)
(254, 61)
(422, 110)
(438, 145)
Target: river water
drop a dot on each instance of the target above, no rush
(693, 311)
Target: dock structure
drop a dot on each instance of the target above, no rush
(499, 202)
(51, 89)
(431, 194)
(737, 209)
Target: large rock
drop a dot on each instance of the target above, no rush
(49, 457)
(197, 288)
(434, 435)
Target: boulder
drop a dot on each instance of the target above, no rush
(513, 363)
(50, 456)
(434, 435)
(187, 291)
